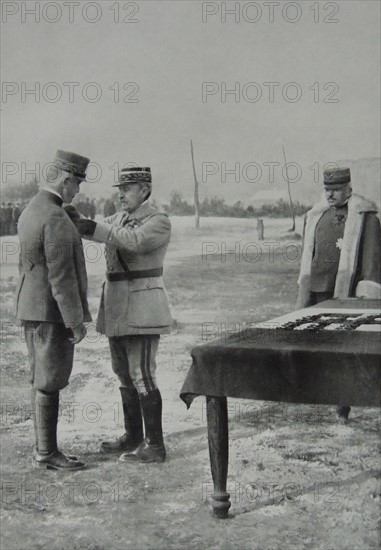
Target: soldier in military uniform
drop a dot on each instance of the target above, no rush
(15, 217)
(8, 219)
(2, 218)
(51, 300)
(341, 248)
(134, 310)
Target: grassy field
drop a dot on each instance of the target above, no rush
(297, 478)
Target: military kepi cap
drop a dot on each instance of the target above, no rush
(337, 176)
(73, 163)
(135, 174)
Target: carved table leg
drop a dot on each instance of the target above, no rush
(218, 439)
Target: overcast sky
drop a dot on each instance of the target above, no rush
(169, 52)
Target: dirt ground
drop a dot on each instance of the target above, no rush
(297, 479)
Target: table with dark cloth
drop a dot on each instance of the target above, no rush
(275, 364)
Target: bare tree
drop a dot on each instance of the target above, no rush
(289, 192)
(196, 198)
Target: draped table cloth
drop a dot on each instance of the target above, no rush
(323, 354)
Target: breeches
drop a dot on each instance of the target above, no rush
(50, 354)
(133, 361)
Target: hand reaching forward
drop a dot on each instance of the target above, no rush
(85, 227)
(72, 212)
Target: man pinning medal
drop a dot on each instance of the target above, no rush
(134, 310)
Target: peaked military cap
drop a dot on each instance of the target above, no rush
(337, 176)
(135, 174)
(73, 163)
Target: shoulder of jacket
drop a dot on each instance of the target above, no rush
(358, 203)
(57, 216)
(158, 213)
(152, 210)
(158, 216)
(59, 212)
(318, 208)
(113, 217)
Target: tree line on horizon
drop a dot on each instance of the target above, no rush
(177, 206)
(216, 206)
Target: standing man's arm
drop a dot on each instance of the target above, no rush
(75, 215)
(149, 236)
(303, 297)
(369, 271)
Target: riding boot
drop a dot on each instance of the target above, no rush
(33, 417)
(47, 454)
(133, 424)
(151, 449)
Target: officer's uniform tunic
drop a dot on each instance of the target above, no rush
(325, 262)
(51, 291)
(134, 308)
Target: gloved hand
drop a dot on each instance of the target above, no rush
(78, 333)
(85, 227)
(72, 212)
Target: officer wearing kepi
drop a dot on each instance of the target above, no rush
(341, 245)
(341, 248)
(51, 300)
(134, 310)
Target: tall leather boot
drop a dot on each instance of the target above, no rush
(33, 416)
(152, 447)
(133, 424)
(47, 454)
(34, 420)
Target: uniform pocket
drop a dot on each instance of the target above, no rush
(148, 306)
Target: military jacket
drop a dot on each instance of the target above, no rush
(135, 243)
(53, 282)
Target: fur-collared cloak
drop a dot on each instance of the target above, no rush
(359, 266)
